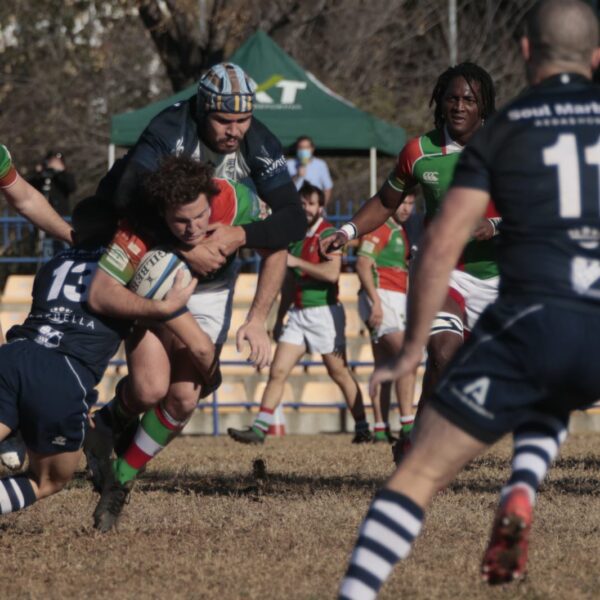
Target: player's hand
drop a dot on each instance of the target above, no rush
(376, 317)
(205, 258)
(406, 363)
(229, 237)
(178, 296)
(260, 345)
(331, 243)
(484, 230)
(292, 261)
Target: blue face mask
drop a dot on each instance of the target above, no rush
(304, 155)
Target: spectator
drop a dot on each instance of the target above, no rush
(54, 181)
(306, 167)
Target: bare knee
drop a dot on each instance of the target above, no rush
(145, 392)
(181, 403)
(442, 347)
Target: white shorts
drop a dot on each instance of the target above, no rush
(394, 311)
(212, 310)
(477, 294)
(320, 328)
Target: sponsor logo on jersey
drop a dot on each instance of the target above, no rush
(59, 440)
(272, 166)
(431, 176)
(48, 337)
(179, 147)
(585, 273)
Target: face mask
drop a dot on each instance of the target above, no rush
(304, 155)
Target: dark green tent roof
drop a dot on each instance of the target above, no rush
(290, 101)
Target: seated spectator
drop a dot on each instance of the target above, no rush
(306, 167)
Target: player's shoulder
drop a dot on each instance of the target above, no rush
(261, 140)
(423, 145)
(172, 119)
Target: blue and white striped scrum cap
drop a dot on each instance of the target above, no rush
(226, 88)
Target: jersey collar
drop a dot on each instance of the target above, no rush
(562, 79)
(450, 145)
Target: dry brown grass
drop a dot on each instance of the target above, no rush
(201, 525)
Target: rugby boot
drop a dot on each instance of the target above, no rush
(107, 434)
(246, 436)
(362, 436)
(506, 556)
(112, 500)
(401, 447)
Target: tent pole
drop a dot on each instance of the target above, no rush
(111, 155)
(373, 171)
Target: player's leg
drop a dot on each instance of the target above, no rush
(114, 426)
(324, 330)
(536, 444)
(287, 355)
(394, 519)
(447, 334)
(391, 345)
(381, 403)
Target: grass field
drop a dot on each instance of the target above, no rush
(201, 524)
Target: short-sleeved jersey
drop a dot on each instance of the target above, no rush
(60, 319)
(539, 158)
(310, 292)
(430, 160)
(388, 247)
(235, 204)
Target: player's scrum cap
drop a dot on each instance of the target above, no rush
(226, 88)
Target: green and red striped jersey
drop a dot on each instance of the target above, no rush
(310, 292)
(429, 160)
(388, 247)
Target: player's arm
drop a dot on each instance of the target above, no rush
(29, 202)
(365, 261)
(328, 271)
(108, 296)
(254, 329)
(442, 244)
(287, 297)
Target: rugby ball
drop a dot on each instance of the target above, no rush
(156, 272)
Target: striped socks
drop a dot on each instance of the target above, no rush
(156, 429)
(536, 445)
(380, 429)
(385, 537)
(15, 494)
(263, 421)
(407, 423)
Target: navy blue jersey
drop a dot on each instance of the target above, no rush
(59, 318)
(258, 163)
(539, 159)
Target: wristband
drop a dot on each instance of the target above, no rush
(349, 230)
(495, 221)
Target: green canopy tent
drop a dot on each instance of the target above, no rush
(291, 102)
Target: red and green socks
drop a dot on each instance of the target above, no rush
(156, 429)
(263, 421)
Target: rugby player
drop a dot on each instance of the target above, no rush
(51, 363)
(531, 358)
(382, 267)
(32, 205)
(316, 324)
(185, 194)
(464, 98)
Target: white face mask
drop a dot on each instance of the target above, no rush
(304, 154)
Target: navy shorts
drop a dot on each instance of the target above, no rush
(46, 395)
(524, 360)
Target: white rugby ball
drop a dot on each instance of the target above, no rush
(156, 272)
